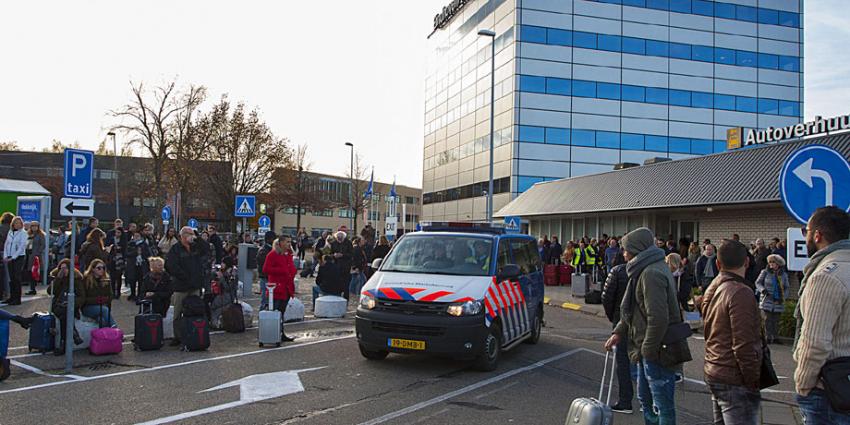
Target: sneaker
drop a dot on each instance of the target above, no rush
(32, 293)
(679, 378)
(622, 408)
(285, 338)
(5, 369)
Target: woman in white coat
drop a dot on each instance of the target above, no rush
(15, 257)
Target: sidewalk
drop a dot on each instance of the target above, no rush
(561, 296)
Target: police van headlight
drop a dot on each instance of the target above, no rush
(367, 302)
(469, 308)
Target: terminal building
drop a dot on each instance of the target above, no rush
(582, 85)
(706, 197)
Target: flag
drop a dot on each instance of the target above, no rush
(392, 190)
(368, 193)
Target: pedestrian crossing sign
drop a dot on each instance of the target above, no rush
(512, 224)
(246, 206)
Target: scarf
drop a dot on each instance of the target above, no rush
(634, 268)
(814, 262)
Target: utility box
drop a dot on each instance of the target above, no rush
(247, 257)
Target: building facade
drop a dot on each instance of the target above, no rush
(582, 85)
(333, 193)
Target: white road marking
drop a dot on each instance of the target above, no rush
(174, 365)
(464, 390)
(38, 371)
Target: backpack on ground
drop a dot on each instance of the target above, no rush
(196, 333)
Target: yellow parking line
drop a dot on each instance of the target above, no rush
(571, 306)
(546, 300)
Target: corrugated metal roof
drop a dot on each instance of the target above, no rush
(22, 186)
(735, 177)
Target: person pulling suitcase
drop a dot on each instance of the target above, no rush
(592, 411)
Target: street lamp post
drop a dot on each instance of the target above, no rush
(351, 188)
(115, 171)
(492, 35)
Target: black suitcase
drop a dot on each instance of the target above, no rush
(233, 318)
(41, 337)
(196, 333)
(593, 297)
(148, 329)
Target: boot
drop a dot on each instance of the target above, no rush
(25, 322)
(5, 369)
(77, 338)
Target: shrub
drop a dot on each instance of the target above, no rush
(787, 322)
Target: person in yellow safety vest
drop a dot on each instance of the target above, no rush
(481, 257)
(580, 257)
(590, 253)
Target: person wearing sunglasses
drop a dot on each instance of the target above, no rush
(97, 291)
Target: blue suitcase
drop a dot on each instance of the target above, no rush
(41, 332)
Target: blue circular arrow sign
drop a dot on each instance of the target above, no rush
(193, 223)
(264, 221)
(812, 177)
(166, 212)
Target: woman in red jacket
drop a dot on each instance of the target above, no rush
(280, 269)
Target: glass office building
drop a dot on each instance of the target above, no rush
(582, 85)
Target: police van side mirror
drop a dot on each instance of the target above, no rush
(509, 272)
(376, 263)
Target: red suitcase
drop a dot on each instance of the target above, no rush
(550, 275)
(565, 274)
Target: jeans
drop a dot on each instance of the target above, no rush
(15, 267)
(100, 314)
(280, 305)
(357, 281)
(264, 293)
(177, 301)
(656, 393)
(115, 277)
(816, 410)
(735, 405)
(771, 325)
(624, 375)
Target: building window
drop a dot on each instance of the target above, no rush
(346, 213)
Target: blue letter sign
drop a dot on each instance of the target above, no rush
(78, 173)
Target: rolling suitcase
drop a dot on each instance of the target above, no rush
(579, 285)
(148, 329)
(550, 275)
(196, 333)
(565, 273)
(41, 332)
(269, 324)
(592, 411)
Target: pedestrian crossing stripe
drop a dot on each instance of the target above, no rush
(245, 208)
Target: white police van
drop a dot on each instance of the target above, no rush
(457, 289)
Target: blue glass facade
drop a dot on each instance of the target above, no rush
(584, 84)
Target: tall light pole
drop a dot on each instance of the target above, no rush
(115, 171)
(351, 187)
(492, 35)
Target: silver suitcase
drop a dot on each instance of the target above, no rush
(269, 324)
(592, 411)
(578, 285)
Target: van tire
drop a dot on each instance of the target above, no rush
(491, 350)
(373, 355)
(536, 327)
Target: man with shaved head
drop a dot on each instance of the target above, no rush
(185, 265)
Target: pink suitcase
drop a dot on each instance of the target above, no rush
(106, 341)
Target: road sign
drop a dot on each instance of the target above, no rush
(798, 254)
(192, 223)
(264, 222)
(812, 177)
(392, 227)
(73, 207)
(78, 173)
(166, 213)
(513, 224)
(246, 206)
(252, 389)
(29, 210)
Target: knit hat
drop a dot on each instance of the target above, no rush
(638, 240)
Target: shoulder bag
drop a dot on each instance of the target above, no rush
(835, 375)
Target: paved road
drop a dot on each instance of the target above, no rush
(533, 385)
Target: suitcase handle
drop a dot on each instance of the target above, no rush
(144, 303)
(611, 378)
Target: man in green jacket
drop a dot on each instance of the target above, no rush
(648, 310)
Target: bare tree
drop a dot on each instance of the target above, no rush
(357, 200)
(146, 121)
(190, 142)
(9, 146)
(252, 150)
(298, 189)
(56, 146)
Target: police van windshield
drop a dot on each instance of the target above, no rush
(440, 254)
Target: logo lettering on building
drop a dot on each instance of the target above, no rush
(449, 11)
(797, 131)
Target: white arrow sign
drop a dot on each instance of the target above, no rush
(75, 207)
(252, 389)
(805, 172)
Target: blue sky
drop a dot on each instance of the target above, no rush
(322, 73)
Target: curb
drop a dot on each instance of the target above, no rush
(572, 307)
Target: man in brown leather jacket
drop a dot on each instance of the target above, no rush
(732, 339)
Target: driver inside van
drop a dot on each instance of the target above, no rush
(481, 258)
(438, 258)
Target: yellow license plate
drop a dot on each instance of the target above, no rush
(406, 344)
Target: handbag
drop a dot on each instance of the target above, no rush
(835, 375)
(677, 332)
(767, 377)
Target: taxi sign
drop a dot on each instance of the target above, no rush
(78, 173)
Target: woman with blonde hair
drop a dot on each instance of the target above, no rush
(35, 248)
(15, 256)
(97, 293)
(684, 279)
(772, 288)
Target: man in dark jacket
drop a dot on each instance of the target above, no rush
(555, 251)
(612, 297)
(184, 264)
(706, 267)
(342, 251)
(327, 280)
(649, 309)
(733, 347)
(262, 253)
(216, 242)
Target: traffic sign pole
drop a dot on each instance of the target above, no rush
(69, 313)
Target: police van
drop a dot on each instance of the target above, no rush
(463, 290)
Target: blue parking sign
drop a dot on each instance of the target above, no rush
(812, 177)
(246, 206)
(78, 173)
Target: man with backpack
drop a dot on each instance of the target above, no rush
(184, 265)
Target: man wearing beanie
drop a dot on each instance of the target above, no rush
(648, 311)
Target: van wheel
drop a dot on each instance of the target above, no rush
(536, 327)
(373, 355)
(488, 360)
